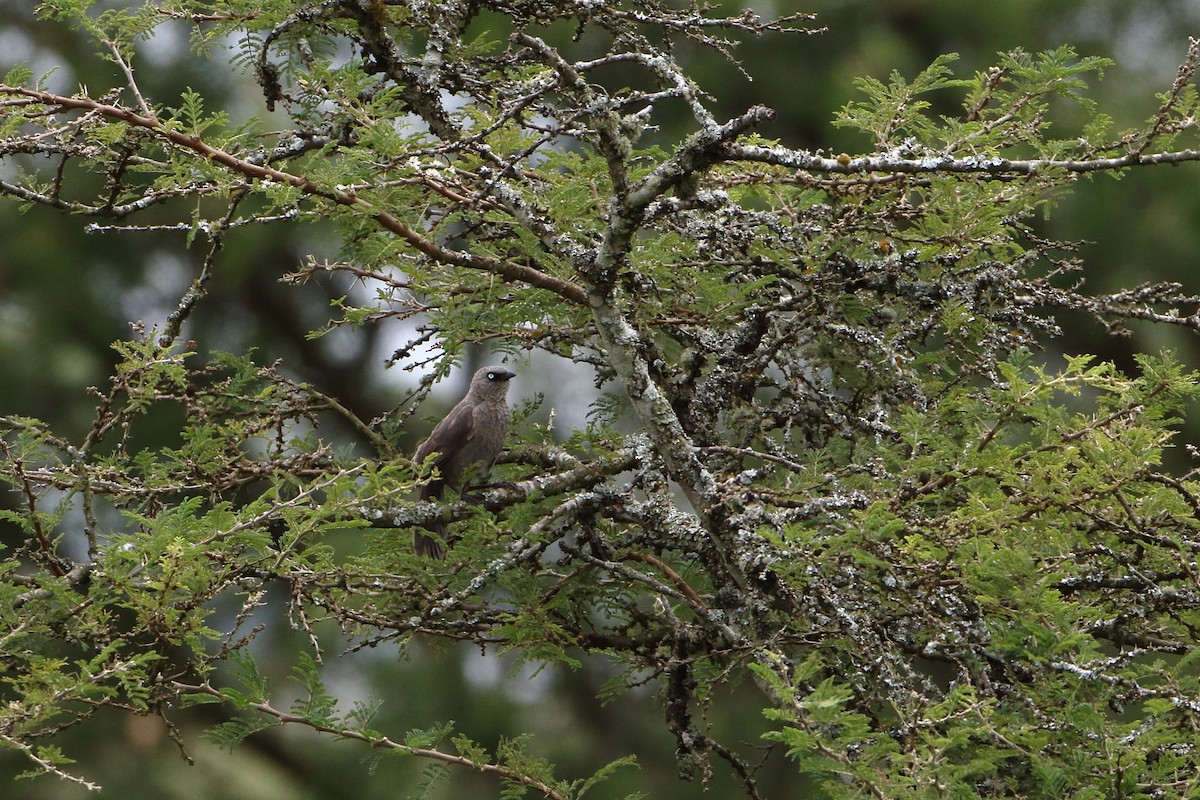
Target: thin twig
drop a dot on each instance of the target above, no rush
(128, 70)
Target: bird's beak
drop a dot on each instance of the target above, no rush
(506, 375)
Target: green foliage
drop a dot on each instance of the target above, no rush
(893, 111)
(191, 116)
(1043, 505)
(826, 451)
(1007, 106)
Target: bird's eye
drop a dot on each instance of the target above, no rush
(491, 376)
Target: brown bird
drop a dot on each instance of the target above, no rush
(467, 442)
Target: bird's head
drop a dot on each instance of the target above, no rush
(491, 381)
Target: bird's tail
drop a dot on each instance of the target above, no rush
(427, 545)
(432, 546)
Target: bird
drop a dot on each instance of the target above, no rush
(466, 442)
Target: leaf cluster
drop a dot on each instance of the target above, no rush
(949, 567)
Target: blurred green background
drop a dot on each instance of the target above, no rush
(66, 294)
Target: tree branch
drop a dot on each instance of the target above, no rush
(439, 253)
(379, 741)
(992, 166)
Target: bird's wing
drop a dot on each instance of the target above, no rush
(448, 436)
